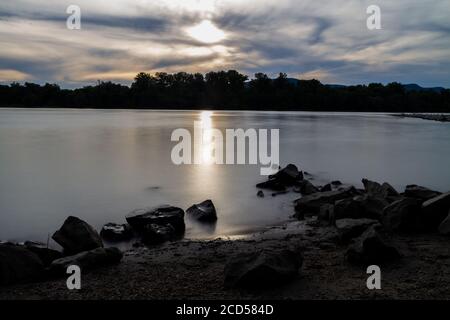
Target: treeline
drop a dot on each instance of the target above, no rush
(227, 90)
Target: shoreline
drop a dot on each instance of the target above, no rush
(441, 117)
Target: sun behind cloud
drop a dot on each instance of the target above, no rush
(206, 32)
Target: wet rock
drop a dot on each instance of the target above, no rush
(372, 247)
(336, 183)
(46, 255)
(435, 210)
(313, 202)
(419, 192)
(160, 215)
(402, 215)
(271, 185)
(116, 232)
(326, 188)
(260, 194)
(264, 269)
(362, 206)
(444, 227)
(377, 190)
(203, 212)
(326, 213)
(306, 188)
(351, 228)
(18, 264)
(288, 176)
(76, 236)
(87, 260)
(156, 234)
(278, 193)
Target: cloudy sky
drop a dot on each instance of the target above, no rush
(326, 40)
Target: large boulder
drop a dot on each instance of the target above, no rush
(44, 253)
(435, 210)
(313, 202)
(361, 206)
(204, 212)
(288, 176)
(161, 215)
(156, 234)
(372, 247)
(306, 188)
(444, 227)
(271, 185)
(419, 192)
(402, 215)
(76, 236)
(87, 260)
(18, 264)
(377, 190)
(351, 228)
(116, 232)
(262, 269)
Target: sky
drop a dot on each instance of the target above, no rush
(325, 40)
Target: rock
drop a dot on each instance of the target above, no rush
(365, 206)
(116, 232)
(336, 183)
(444, 227)
(160, 215)
(156, 234)
(435, 210)
(351, 228)
(372, 248)
(262, 269)
(260, 194)
(326, 213)
(380, 191)
(422, 193)
(204, 212)
(313, 202)
(306, 188)
(271, 185)
(278, 193)
(326, 188)
(402, 215)
(18, 264)
(76, 236)
(288, 176)
(46, 255)
(87, 260)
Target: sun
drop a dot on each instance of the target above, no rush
(206, 32)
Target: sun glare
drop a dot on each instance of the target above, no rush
(206, 32)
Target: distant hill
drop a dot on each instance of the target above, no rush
(416, 87)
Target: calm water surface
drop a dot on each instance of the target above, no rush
(101, 164)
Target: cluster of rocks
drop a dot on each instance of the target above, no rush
(83, 245)
(429, 116)
(366, 218)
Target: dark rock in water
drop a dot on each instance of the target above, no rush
(87, 260)
(306, 188)
(402, 215)
(444, 227)
(160, 215)
(313, 202)
(372, 247)
(288, 176)
(76, 236)
(46, 255)
(116, 232)
(262, 269)
(18, 264)
(156, 234)
(435, 210)
(419, 192)
(326, 188)
(271, 185)
(278, 193)
(365, 206)
(336, 183)
(351, 228)
(260, 194)
(204, 212)
(377, 190)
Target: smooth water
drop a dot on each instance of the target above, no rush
(101, 164)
